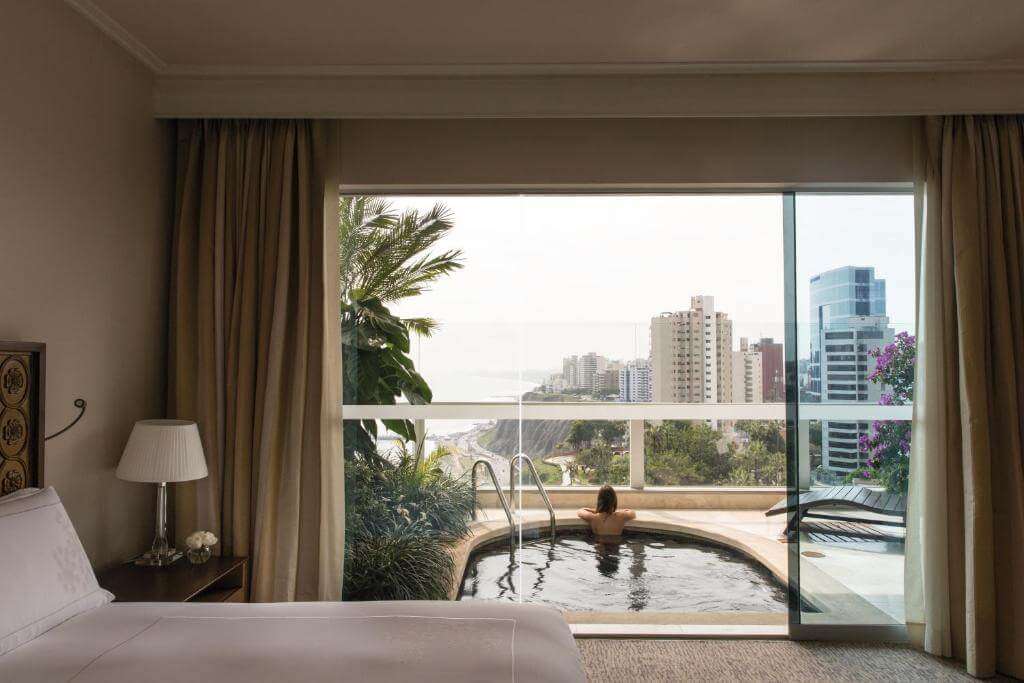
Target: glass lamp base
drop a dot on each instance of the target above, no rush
(162, 559)
(161, 553)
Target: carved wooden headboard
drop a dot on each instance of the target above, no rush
(22, 382)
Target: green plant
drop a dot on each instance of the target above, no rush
(612, 431)
(683, 453)
(401, 565)
(769, 432)
(376, 370)
(402, 515)
(550, 475)
(888, 444)
(401, 520)
(385, 256)
(762, 462)
(581, 433)
(599, 464)
(758, 466)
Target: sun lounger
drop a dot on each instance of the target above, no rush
(859, 497)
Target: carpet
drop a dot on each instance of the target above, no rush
(623, 661)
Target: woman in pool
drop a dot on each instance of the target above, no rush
(606, 521)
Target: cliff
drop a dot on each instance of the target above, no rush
(540, 437)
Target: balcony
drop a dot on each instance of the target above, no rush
(844, 578)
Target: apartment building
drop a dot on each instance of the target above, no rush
(571, 372)
(747, 374)
(773, 374)
(691, 354)
(635, 381)
(591, 366)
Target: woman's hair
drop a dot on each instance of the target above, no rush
(607, 501)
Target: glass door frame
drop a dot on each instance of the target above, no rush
(797, 629)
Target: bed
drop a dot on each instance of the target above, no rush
(57, 624)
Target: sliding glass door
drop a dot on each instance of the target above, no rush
(853, 299)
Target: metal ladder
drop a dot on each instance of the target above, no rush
(520, 458)
(501, 499)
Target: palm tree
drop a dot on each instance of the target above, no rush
(385, 255)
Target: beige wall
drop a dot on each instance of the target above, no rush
(651, 153)
(84, 212)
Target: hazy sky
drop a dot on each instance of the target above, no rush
(550, 276)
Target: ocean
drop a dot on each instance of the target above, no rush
(472, 388)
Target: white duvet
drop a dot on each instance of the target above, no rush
(257, 643)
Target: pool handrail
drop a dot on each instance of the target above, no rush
(501, 496)
(522, 457)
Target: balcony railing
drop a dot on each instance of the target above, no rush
(636, 414)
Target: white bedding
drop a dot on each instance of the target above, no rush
(257, 643)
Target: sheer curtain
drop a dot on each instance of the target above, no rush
(254, 348)
(965, 546)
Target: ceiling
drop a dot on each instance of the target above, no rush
(535, 36)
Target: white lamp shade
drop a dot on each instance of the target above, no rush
(163, 450)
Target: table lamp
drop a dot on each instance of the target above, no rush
(161, 451)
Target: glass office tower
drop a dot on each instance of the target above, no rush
(847, 319)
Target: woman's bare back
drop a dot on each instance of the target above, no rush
(606, 524)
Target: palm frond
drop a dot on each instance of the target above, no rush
(421, 326)
(387, 255)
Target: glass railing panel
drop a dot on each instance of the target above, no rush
(714, 453)
(419, 276)
(852, 552)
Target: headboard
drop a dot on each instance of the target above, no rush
(22, 382)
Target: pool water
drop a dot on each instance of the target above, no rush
(645, 571)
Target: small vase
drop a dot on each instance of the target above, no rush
(199, 555)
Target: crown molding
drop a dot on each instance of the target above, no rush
(119, 34)
(587, 69)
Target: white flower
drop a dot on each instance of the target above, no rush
(209, 539)
(195, 540)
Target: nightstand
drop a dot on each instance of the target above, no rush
(220, 579)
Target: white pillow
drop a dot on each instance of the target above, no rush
(46, 574)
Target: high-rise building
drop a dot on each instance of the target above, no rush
(635, 381)
(607, 381)
(590, 366)
(747, 384)
(847, 319)
(571, 372)
(691, 355)
(773, 377)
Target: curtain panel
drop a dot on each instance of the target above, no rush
(965, 545)
(254, 348)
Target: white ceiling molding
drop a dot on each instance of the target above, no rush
(598, 96)
(119, 34)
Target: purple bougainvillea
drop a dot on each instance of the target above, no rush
(888, 444)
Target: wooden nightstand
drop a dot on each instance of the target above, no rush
(220, 579)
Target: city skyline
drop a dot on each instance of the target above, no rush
(547, 275)
(751, 373)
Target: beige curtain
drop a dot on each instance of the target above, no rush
(965, 548)
(254, 351)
